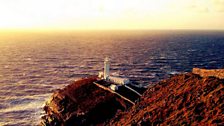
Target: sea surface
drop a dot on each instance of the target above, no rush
(33, 65)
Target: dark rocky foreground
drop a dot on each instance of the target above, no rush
(82, 103)
(185, 99)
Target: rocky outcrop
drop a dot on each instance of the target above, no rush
(186, 99)
(219, 73)
(82, 103)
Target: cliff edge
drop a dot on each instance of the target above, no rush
(82, 103)
(218, 73)
(186, 99)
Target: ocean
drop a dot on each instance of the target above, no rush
(33, 65)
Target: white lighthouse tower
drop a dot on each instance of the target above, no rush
(106, 73)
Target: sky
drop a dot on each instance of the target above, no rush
(111, 14)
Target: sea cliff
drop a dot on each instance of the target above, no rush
(82, 103)
(184, 99)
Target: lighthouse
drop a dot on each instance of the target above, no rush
(106, 73)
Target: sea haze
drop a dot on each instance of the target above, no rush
(32, 65)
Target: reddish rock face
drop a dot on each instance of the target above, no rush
(82, 103)
(186, 99)
(218, 73)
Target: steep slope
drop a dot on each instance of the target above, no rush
(185, 99)
(82, 103)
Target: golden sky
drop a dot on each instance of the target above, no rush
(111, 14)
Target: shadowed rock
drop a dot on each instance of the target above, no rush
(82, 103)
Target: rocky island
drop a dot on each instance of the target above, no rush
(82, 103)
(185, 99)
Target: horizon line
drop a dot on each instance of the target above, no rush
(83, 30)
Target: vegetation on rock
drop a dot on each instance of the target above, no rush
(82, 103)
(186, 99)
